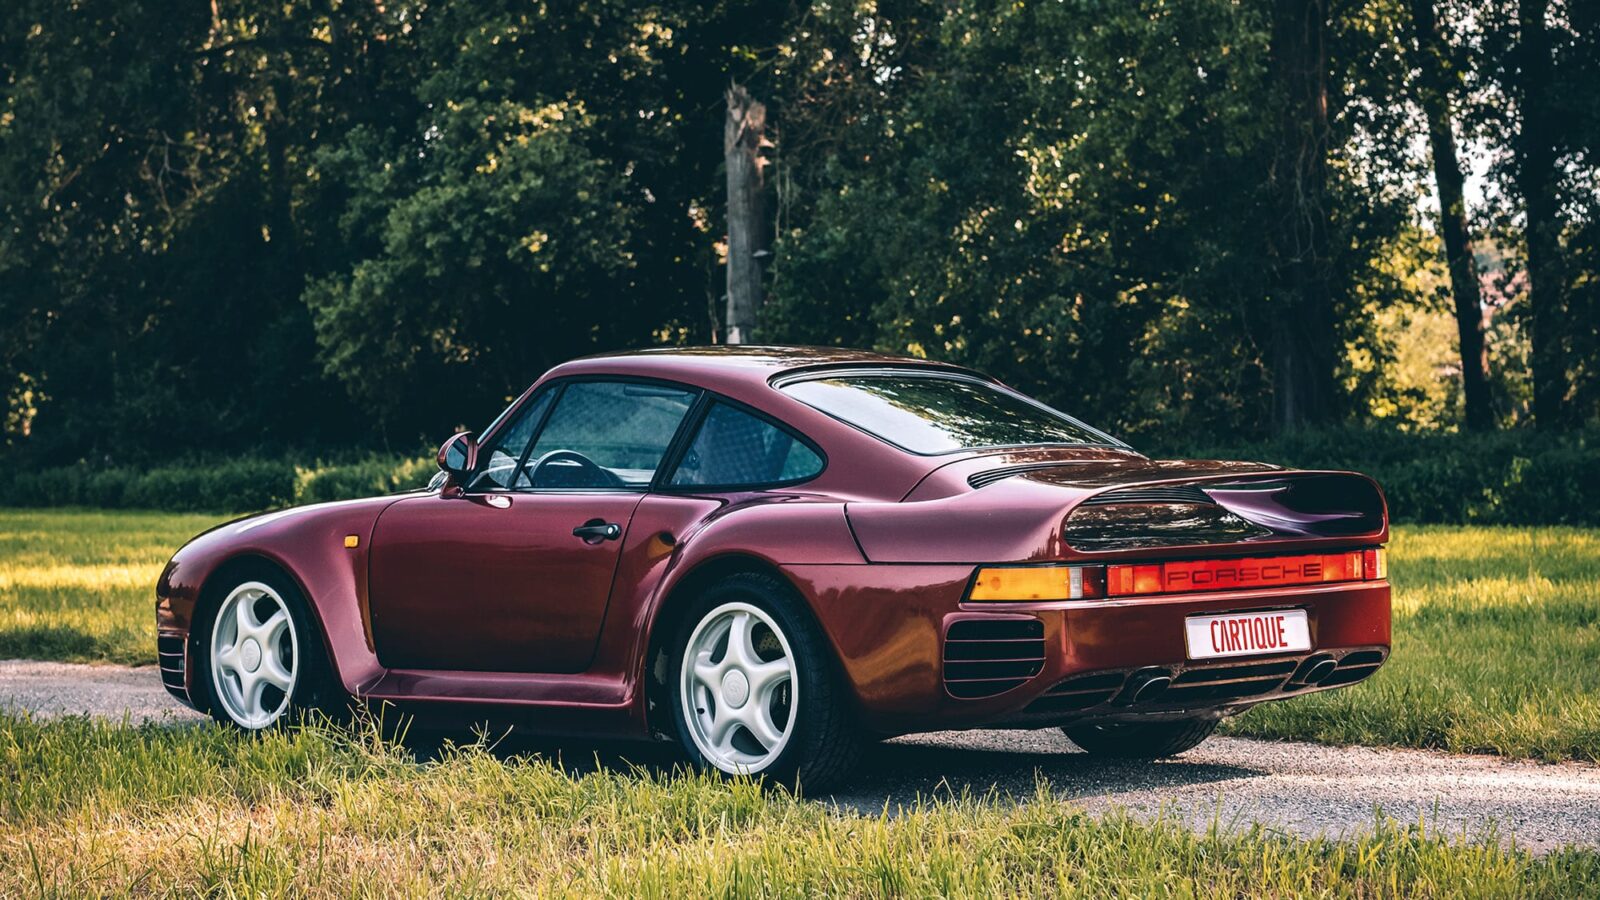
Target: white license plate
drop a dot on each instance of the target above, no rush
(1247, 634)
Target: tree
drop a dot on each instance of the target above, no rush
(743, 136)
(1535, 148)
(1433, 89)
(1302, 330)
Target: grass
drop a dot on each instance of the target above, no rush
(79, 585)
(1496, 650)
(1496, 644)
(99, 809)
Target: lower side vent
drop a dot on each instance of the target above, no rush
(984, 657)
(169, 652)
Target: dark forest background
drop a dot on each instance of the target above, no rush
(313, 226)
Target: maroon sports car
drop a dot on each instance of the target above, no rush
(774, 554)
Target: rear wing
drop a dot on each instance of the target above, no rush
(1141, 509)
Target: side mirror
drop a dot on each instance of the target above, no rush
(458, 456)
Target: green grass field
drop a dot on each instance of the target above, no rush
(80, 585)
(1497, 630)
(94, 809)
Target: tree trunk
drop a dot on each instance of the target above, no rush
(1434, 91)
(742, 135)
(1536, 179)
(1304, 349)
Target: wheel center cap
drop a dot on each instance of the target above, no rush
(250, 655)
(735, 689)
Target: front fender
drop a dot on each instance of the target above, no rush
(307, 543)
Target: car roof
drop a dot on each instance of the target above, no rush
(742, 363)
(863, 466)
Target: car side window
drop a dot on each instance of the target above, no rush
(733, 448)
(501, 459)
(605, 434)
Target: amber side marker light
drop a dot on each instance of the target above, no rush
(1027, 584)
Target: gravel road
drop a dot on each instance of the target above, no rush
(1297, 788)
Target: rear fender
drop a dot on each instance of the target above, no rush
(762, 533)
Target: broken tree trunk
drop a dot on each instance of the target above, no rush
(742, 135)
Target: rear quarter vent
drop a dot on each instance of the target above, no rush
(989, 656)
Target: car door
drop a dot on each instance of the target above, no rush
(515, 574)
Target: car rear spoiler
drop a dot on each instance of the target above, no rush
(1142, 509)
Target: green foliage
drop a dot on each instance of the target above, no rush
(212, 485)
(1087, 224)
(364, 478)
(306, 227)
(1506, 478)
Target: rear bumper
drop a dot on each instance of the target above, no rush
(892, 628)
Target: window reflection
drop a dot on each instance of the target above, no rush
(937, 414)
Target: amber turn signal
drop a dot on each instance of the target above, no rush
(352, 540)
(1022, 584)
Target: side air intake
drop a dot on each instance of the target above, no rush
(984, 657)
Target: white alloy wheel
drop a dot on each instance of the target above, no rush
(255, 655)
(738, 687)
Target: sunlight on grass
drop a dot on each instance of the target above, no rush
(1496, 650)
(80, 585)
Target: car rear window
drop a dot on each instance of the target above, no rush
(932, 413)
(734, 448)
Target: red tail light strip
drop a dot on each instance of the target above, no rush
(1230, 574)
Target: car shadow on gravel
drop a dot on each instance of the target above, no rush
(901, 773)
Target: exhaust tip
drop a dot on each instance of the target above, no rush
(1146, 685)
(1151, 689)
(1320, 671)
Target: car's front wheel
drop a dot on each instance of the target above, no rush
(1141, 740)
(263, 659)
(755, 689)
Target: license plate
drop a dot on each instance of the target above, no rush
(1247, 634)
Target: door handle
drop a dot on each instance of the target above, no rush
(596, 530)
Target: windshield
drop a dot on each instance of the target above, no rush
(932, 413)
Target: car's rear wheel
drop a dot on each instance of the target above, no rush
(263, 656)
(755, 690)
(1141, 740)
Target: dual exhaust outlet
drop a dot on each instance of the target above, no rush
(1147, 685)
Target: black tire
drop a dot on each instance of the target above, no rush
(825, 744)
(316, 690)
(1141, 740)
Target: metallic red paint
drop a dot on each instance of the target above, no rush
(477, 609)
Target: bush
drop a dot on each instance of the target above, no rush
(1505, 478)
(225, 486)
(374, 475)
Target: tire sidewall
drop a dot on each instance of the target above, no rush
(812, 669)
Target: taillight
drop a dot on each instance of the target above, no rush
(1233, 574)
(1025, 584)
(1375, 564)
(1022, 584)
